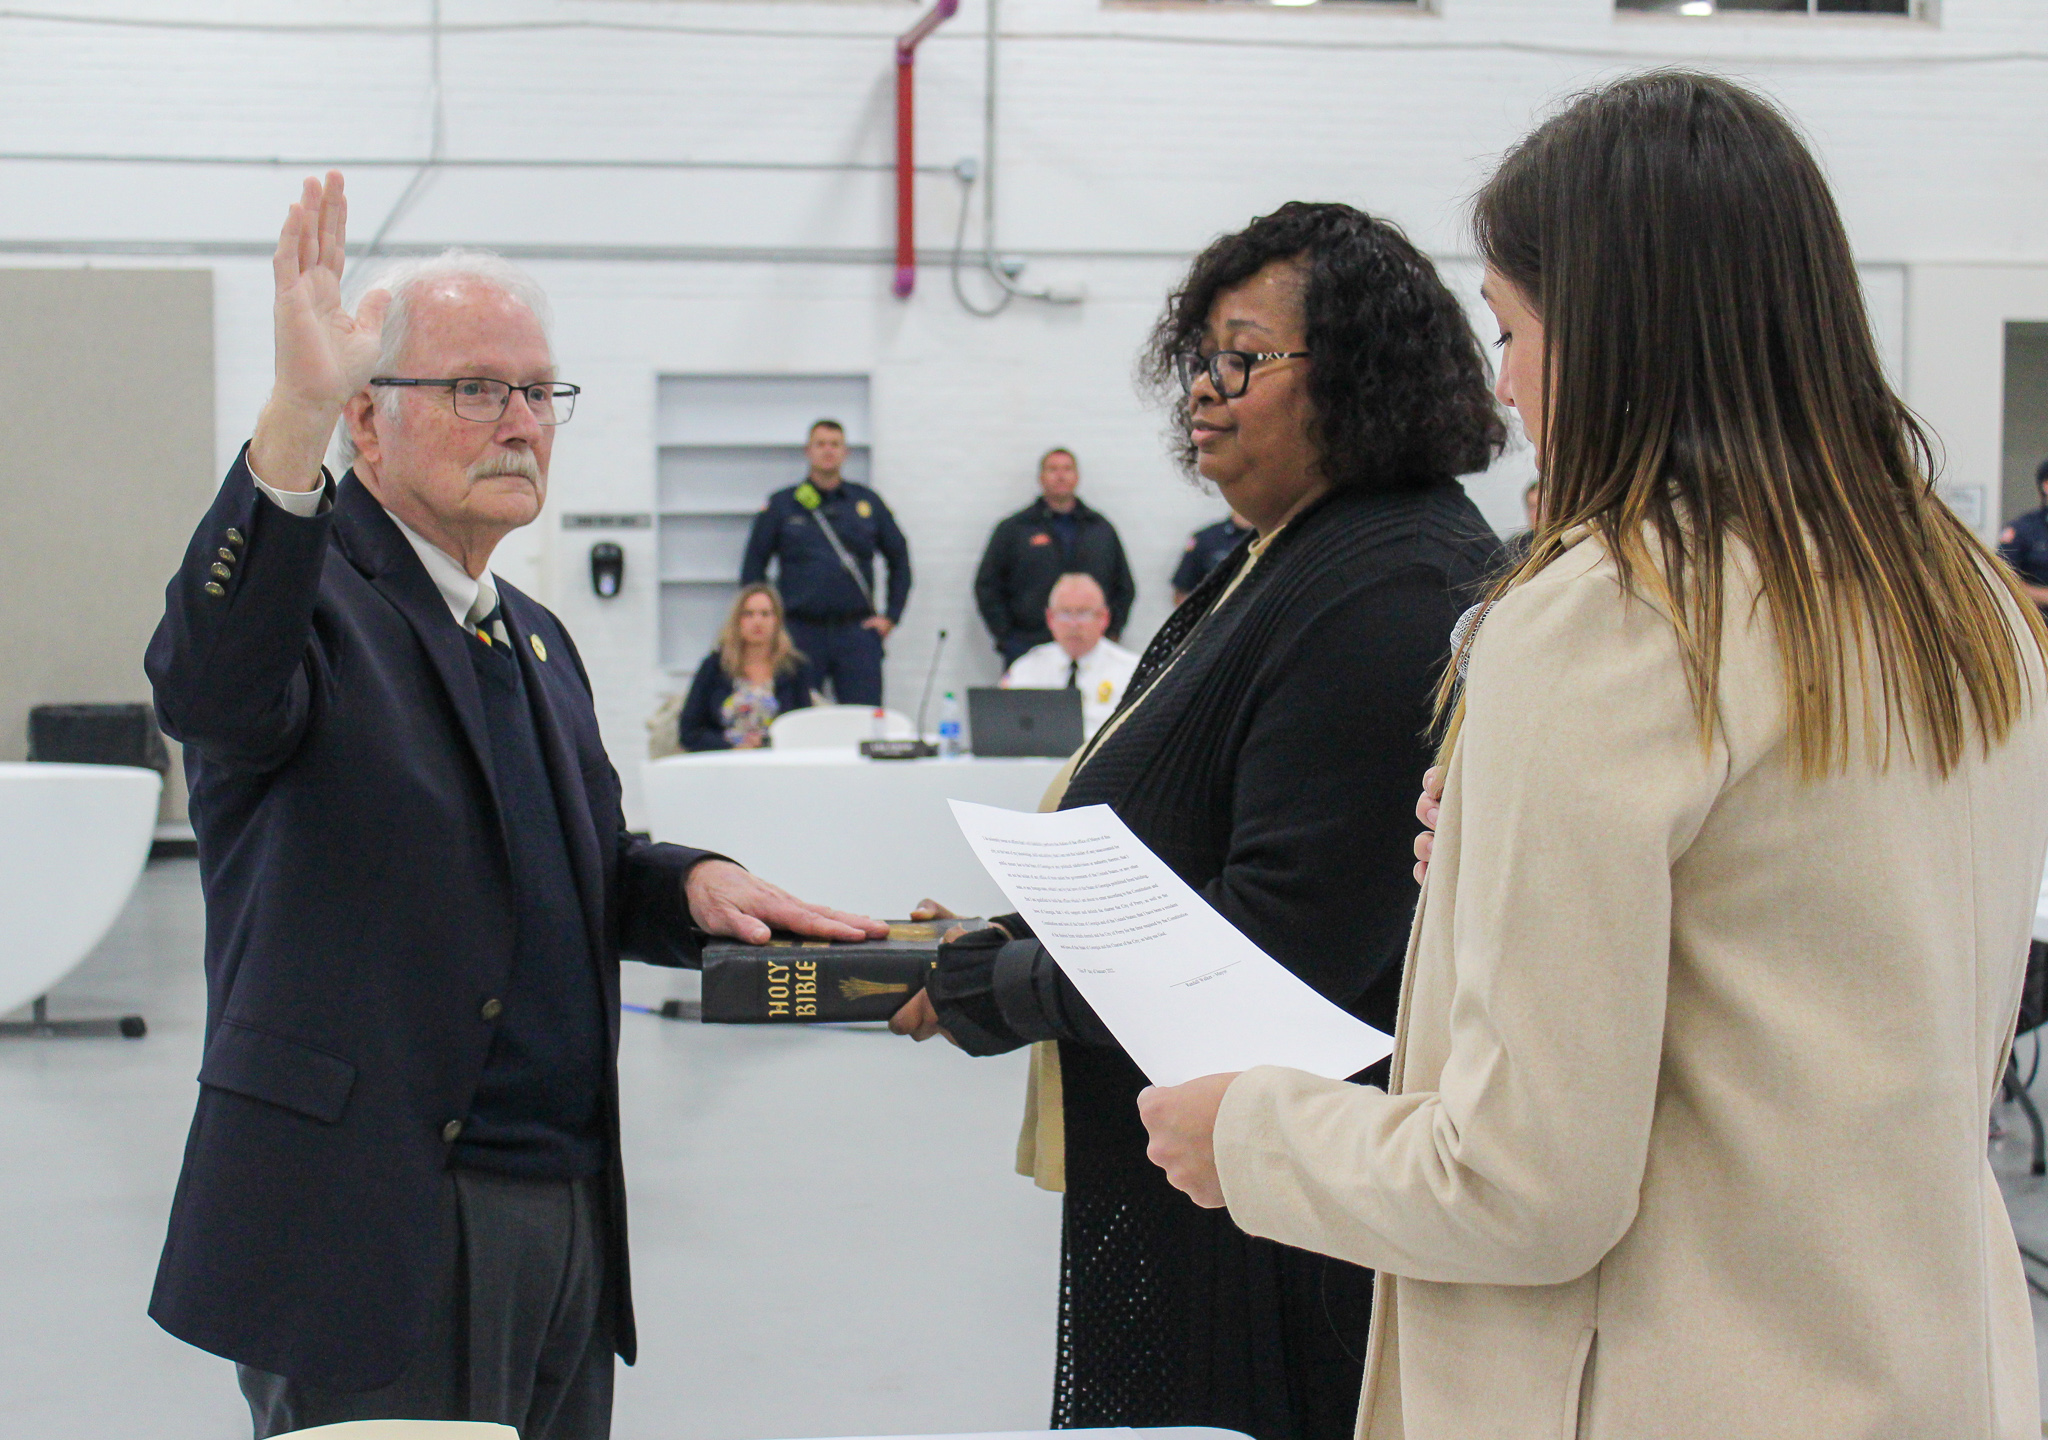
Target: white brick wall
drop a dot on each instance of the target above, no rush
(1128, 139)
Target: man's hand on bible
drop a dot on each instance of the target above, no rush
(726, 899)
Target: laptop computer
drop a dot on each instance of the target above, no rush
(1024, 722)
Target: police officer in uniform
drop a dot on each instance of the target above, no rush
(2024, 543)
(1054, 535)
(1207, 548)
(823, 535)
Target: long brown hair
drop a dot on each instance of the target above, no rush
(1711, 375)
(783, 656)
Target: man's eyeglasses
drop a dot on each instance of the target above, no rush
(485, 401)
(1230, 371)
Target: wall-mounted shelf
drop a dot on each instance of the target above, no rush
(725, 443)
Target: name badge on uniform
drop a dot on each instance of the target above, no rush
(540, 651)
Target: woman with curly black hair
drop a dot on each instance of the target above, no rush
(1329, 386)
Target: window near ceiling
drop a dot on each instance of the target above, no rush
(1906, 9)
(1405, 7)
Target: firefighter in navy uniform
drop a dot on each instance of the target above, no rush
(823, 535)
(1207, 548)
(2023, 544)
(1054, 535)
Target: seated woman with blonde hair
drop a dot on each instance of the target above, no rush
(754, 675)
(1741, 820)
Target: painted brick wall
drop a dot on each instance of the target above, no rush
(1128, 137)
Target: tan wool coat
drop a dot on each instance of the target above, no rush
(1686, 1131)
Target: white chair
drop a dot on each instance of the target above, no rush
(73, 841)
(835, 727)
(407, 1430)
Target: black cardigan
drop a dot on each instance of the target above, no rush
(1277, 765)
(702, 725)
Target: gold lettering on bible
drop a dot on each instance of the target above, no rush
(861, 989)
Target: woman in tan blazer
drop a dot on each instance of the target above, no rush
(1743, 811)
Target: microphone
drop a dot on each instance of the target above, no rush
(930, 675)
(918, 748)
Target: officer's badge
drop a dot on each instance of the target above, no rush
(1103, 692)
(863, 509)
(539, 649)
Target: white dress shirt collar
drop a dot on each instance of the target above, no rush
(468, 599)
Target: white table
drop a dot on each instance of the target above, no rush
(873, 836)
(73, 840)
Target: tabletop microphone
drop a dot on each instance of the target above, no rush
(917, 748)
(924, 701)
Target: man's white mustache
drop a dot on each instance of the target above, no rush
(516, 462)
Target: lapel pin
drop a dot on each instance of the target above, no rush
(538, 648)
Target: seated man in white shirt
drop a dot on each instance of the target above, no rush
(1078, 657)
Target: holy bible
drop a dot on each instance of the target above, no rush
(792, 981)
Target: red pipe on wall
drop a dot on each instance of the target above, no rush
(906, 143)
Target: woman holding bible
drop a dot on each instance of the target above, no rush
(1328, 384)
(1735, 860)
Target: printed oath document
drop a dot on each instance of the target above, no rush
(1184, 991)
(795, 981)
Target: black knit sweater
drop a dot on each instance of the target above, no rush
(1275, 764)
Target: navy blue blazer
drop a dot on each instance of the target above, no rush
(701, 725)
(358, 920)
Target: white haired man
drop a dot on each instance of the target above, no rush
(402, 1195)
(1080, 656)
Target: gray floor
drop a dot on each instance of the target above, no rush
(827, 1236)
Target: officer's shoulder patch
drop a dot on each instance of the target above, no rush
(2007, 535)
(1192, 542)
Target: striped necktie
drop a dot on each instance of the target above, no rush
(490, 626)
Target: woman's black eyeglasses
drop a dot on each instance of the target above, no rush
(485, 401)
(1230, 371)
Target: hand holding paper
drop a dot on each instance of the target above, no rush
(1184, 991)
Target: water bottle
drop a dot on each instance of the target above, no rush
(949, 727)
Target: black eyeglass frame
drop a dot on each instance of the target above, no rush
(1189, 366)
(557, 390)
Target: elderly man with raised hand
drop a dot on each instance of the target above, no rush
(1080, 656)
(402, 1195)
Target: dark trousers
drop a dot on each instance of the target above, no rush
(520, 1333)
(845, 652)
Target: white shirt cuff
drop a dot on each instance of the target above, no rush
(303, 503)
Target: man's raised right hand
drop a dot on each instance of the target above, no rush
(324, 354)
